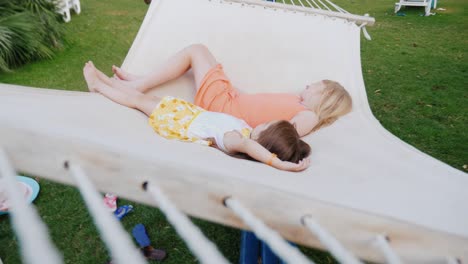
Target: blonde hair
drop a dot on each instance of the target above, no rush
(334, 103)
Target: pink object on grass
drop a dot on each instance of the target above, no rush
(110, 200)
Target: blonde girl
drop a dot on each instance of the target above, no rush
(174, 118)
(318, 105)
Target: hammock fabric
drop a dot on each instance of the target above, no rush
(363, 181)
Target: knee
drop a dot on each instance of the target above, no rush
(198, 48)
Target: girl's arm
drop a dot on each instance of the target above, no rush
(234, 142)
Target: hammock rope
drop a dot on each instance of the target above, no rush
(285, 251)
(36, 245)
(338, 8)
(315, 8)
(335, 247)
(390, 256)
(205, 250)
(364, 30)
(324, 5)
(115, 237)
(312, 6)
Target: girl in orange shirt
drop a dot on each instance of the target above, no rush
(319, 105)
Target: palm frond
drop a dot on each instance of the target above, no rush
(23, 39)
(29, 30)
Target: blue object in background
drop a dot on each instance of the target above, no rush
(123, 211)
(252, 249)
(268, 256)
(139, 233)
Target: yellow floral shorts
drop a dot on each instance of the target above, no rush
(172, 118)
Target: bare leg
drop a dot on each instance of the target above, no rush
(123, 75)
(126, 97)
(196, 57)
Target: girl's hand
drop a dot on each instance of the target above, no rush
(289, 166)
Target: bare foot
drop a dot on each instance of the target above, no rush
(102, 76)
(90, 77)
(131, 85)
(123, 75)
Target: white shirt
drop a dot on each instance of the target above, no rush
(215, 125)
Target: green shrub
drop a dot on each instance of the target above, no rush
(29, 30)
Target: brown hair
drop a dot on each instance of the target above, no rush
(282, 139)
(335, 102)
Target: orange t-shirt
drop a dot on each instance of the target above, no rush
(217, 94)
(257, 109)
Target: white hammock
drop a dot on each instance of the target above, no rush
(363, 181)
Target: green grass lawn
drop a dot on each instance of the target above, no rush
(415, 70)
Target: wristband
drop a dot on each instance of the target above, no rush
(270, 161)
